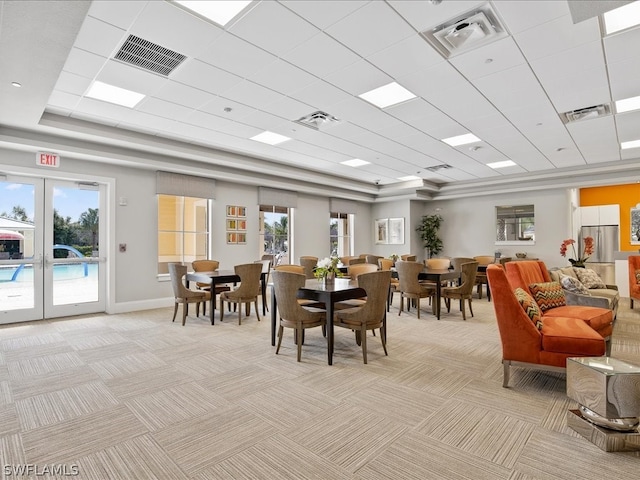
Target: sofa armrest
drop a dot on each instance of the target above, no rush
(586, 300)
(612, 287)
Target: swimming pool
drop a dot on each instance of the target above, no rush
(60, 272)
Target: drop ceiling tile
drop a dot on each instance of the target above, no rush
(282, 77)
(623, 79)
(557, 35)
(264, 121)
(566, 158)
(99, 37)
(622, 46)
(119, 14)
(429, 81)
(188, 34)
(323, 13)
(100, 109)
(462, 103)
(216, 106)
(571, 63)
(584, 88)
(520, 16)
(203, 76)
(533, 116)
(252, 94)
(500, 55)
(321, 55)
(62, 101)
(147, 123)
(132, 78)
(289, 108)
(413, 110)
(162, 108)
(314, 151)
(321, 96)
(74, 84)
(274, 28)
(423, 15)
(359, 112)
(183, 94)
(405, 57)
(84, 63)
(358, 78)
(512, 88)
(628, 125)
(236, 56)
(384, 25)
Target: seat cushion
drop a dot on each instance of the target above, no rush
(529, 306)
(547, 295)
(572, 336)
(595, 317)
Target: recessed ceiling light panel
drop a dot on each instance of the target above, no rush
(628, 104)
(270, 138)
(387, 95)
(409, 178)
(503, 164)
(622, 18)
(219, 11)
(356, 162)
(461, 139)
(630, 144)
(112, 94)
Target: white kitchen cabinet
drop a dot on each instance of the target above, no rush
(600, 215)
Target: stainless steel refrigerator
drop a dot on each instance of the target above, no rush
(606, 242)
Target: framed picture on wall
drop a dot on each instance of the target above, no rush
(232, 224)
(232, 211)
(396, 231)
(242, 211)
(242, 238)
(232, 237)
(635, 226)
(242, 225)
(381, 227)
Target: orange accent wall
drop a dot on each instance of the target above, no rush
(627, 196)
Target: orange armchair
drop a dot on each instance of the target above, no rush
(524, 345)
(634, 284)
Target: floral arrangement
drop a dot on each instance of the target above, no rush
(394, 257)
(327, 267)
(577, 261)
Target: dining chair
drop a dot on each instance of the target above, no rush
(291, 314)
(247, 291)
(464, 291)
(438, 263)
(408, 257)
(353, 272)
(373, 259)
(371, 315)
(309, 263)
(208, 266)
(264, 277)
(356, 261)
(385, 264)
(481, 278)
(299, 269)
(410, 286)
(182, 294)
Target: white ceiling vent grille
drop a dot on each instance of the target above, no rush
(149, 56)
(442, 166)
(585, 113)
(465, 32)
(317, 120)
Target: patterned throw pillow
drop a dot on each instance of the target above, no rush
(637, 276)
(547, 295)
(589, 278)
(529, 306)
(573, 284)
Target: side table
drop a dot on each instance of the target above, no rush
(608, 392)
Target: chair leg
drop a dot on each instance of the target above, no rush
(505, 373)
(363, 339)
(401, 304)
(257, 311)
(239, 312)
(175, 311)
(280, 332)
(222, 308)
(418, 307)
(447, 302)
(470, 308)
(464, 316)
(299, 337)
(184, 313)
(383, 340)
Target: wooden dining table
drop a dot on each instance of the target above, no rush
(438, 276)
(342, 289)
(214, 278)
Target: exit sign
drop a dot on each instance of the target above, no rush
(46, 159)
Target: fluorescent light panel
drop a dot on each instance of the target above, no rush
(218, 11)
(409, 178)
(270, 138)
(628, 104)
(461, 140)
(622, 18)
(356, 162)
(387, 95)
(630, 144)
(503, 164)
(109, 93)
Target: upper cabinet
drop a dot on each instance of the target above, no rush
(600, 215)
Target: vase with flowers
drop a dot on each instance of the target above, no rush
(579, 260)
(326, 270)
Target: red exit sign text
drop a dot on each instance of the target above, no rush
(46, 159)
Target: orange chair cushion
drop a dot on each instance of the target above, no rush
(597, 318)
(572, 336)
(548, 295)
(529, 306)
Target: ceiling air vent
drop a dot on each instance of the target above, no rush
(465, 32)
(585, 113)
(442, 166)
(149, 56)
(317, 120)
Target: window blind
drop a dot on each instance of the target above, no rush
(168, 183)
(280, 198)
(339, 205)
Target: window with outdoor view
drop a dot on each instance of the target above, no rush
(274, 233)
(340, 239)
(183, 230)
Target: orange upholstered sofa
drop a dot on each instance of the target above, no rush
(634, 284)
(542, 346)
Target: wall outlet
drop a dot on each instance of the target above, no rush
(123, 247)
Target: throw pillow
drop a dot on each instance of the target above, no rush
(637, 276)
(573, 285)
(529, 306)
(589, 278)
(547, 295)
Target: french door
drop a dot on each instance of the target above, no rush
(51, 260)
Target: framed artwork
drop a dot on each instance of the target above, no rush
(635, 226)
(232, 224)
(236, 223)
(241, 238)
(232, 211)
(241, 225)
(232, 237)
(381, 227)
(242, 211)
(396, 231)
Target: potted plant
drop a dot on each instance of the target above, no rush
(428, 230)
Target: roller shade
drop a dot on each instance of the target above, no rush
(280, 198)
(339, 205)
(168, 183)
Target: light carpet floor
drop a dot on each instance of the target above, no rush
(135, 396)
